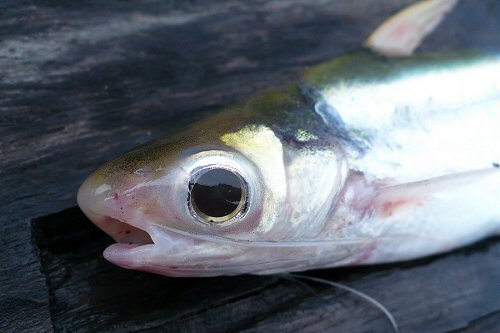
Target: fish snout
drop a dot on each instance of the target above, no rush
(103, 205)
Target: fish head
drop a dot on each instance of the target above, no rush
(217, 198)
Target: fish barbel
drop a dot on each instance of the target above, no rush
(368, 158)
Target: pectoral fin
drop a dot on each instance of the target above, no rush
(403, 32)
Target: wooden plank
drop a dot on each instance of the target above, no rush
(82, 82)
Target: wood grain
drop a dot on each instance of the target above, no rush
(81, 82)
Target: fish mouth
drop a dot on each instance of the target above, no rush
(133, 244)
(123, 232)
(131, 241)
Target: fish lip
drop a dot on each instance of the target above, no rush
(129, 253)
(130, 256)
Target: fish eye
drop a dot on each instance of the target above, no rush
(217, 194)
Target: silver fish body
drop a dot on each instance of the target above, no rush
(364, 160)
(426, 151)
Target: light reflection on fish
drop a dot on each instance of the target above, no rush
(367, 159)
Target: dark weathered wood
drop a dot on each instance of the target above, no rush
(83, 81)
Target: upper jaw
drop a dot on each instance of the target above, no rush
(102, 205)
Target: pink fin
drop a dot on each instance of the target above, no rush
(403, 32)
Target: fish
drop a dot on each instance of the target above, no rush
(381, 155)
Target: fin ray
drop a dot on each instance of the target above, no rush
(403, 32)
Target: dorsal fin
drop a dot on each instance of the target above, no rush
(403, 32)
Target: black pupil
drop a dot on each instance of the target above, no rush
(216, 193)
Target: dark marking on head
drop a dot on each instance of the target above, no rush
(333, 119)
(330, 117)
(496, 165)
